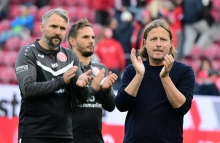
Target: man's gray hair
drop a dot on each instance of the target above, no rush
(59, 11)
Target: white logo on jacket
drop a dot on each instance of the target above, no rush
(54, 65)
(42, 56)
(60, 91)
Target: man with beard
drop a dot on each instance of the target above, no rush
(87, 120)
(157, 92)
(50, 81)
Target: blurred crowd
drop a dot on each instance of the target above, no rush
(118, 25)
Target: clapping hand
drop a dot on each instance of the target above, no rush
(84, 79)
(137, 62)
(109, 81)
(97, 80)
(69, 74)
(168, 64)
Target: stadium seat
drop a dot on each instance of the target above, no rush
(14, 11)
(8, 76)
(33, 10)
(14, 2)
(91, 16)
(82, 3)
(26, 42)
(4, 25)
(97, 29)
(196, 52)
(195, 64)
(216, 64)
(70, 3)
(10, 58)
(36, 29)
(82, 13)
(211, 52)
(72, 13)
(13, 44)
(56, 3)
(2, 53)
(41, 12)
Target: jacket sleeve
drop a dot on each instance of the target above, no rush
(108, 100)
(26, 72)
(123, 100)
(186, 87)
(108, 97)
(82, 93)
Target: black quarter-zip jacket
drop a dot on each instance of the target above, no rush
(46, 99)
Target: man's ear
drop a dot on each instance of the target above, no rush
(144, 42)
(41, 27)
(72, 42)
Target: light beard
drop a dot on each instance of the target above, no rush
(156, 59)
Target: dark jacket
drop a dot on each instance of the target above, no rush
(46, 101)
(87, 120)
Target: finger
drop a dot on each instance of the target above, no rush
(91, 77)
(110, 73)
(112, 79)
(88, 72)
(71, 76)
(99, 76)
(85, 84)
(165, 65)
(103, 70)
(166, 59)
(107, 82)
(73, 68)
(170, 57)
(139, 59)
(133, 53)
(114, 76)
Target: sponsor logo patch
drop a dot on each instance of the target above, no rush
(22, 68)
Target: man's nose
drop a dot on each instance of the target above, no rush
(91, 40)
(57, 31)
(158, 42)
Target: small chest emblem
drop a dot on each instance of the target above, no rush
(61, 56)
(95, 70)
(54, 65)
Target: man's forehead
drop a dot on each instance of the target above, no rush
(86, 31)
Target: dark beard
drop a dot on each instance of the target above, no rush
(87, 54)
(84, 53)
(50, 43)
